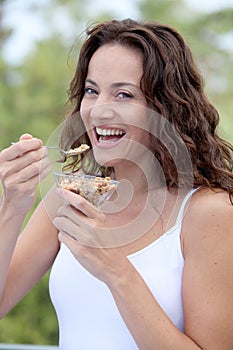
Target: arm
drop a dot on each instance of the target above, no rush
(207, 326)
(208, 271)
(207, 285)
(21, 167)
(35, 251)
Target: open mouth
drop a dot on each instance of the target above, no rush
(109, 135)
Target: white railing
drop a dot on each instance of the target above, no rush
(26, 347)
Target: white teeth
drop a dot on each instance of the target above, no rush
(109, 132)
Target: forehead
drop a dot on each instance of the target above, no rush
(115, 59)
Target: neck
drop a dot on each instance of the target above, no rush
(143, 177)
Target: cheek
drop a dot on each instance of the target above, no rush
(85, 116)
(84, 113)
(140, 134)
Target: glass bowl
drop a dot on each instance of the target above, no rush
(93, 188)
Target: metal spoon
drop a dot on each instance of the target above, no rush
(71, 152)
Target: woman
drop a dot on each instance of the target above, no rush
(165, 281)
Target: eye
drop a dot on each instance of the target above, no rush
(123, 95)
(90, 91)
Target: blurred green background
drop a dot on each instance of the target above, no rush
(33, 90)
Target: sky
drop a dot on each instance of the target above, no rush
(28, 29)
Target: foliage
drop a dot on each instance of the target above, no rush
(210, 37)
(33, 320)
(33, 97)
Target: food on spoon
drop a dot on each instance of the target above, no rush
(78, 150)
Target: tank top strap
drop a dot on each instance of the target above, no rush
(183, 206)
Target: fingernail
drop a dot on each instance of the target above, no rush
(60, 237)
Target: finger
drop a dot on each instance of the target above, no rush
(71, 228)
(65, 238)
(65, 225)
(81, 228)
(37, 169)
(74, 242)
(26, 166)
(18, 185)
(25, 137)
(45, 171)
(69, 241)
(77, 248)
(21, 194)
(70, 212)
(80, 203)
(74, 215)
(20, 148)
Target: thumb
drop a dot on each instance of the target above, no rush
(25, 137)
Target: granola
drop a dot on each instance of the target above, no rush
(94, 189)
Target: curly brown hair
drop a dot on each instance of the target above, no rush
(173, 87)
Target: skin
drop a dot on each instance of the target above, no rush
(206, 238)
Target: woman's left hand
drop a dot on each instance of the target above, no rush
(84, 230)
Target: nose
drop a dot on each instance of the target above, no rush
(102, 109)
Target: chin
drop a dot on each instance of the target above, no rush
(102, 160)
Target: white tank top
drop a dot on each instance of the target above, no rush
(87, 315)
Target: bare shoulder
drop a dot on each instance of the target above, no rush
(209, 216)
(207, 241)
(210, 200)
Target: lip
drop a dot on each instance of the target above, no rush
(102, 144)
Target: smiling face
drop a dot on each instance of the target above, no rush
(113, 108)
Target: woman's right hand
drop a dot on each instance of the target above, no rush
(22, 166)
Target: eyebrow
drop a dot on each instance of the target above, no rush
(114, 85)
